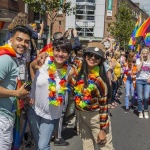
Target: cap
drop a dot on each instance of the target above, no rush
(96, 48)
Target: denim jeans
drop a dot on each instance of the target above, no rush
(143, 89)
(129, 89)
(6, 133)
(42, 129)
(114, 91)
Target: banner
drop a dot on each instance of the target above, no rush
(109, 8)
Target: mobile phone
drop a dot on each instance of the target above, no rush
(28, 86)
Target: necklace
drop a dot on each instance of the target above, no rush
(84, 95)
(53, 99)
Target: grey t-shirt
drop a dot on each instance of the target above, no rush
(9, 71)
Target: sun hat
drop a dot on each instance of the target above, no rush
(96, 48)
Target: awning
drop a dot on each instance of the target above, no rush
(6, 19)
(3, 20)
(1, 24)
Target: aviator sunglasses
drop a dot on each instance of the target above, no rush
(90, 55)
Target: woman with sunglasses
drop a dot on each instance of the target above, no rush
(49, 90)
(91, 88)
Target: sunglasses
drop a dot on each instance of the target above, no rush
(90, 55)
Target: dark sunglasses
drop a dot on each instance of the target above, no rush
(90, 55)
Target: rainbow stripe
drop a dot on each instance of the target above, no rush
(8, 50)
(16, 134)
(132, 40)
(144, 29)
(147, 39)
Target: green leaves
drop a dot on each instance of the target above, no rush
(43, 6)
(124, 25)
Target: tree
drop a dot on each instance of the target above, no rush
(51, 8)
(124, 25)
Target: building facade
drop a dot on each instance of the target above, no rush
(89, 19)
(93, 16)
(8, 11)
(112, 7)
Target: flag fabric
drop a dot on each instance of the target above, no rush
(16, 132)
(132, 40)
(144, 32)
(147, 39)
(8, 50)
(144, 29)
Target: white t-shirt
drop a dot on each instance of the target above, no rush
(144, 73)
(40, 93)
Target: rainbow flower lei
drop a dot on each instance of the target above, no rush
(82, 95)
(53, 99)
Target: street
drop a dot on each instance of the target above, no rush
(129, 132)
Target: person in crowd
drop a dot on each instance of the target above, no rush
(35, 49)
(142, 82)
(91, 97)
(34, 28)
(116, 74)
(20, 19)
(49, 91)
(130, 70)
(59, 141)
(9, 74)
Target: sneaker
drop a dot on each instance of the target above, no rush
(60, 142)
(146, 116)
(132, 107)
(140, 115)
(127, 111)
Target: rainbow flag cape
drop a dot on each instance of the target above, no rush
(8, 50)
(132, 40)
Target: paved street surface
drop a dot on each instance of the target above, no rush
(129, 132)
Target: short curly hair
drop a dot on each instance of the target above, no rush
(20, 19)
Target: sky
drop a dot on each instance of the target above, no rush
(144, 4)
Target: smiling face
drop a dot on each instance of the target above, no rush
(145, 54)
(60, 56)
(92, 60)
(134, 58)
(20, 42)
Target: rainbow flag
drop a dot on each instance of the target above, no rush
(144, 29)
(16, 134)
(147, 39)
(132, 40)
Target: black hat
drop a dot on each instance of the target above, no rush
(96, 48)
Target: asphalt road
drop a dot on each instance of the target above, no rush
(129, 132)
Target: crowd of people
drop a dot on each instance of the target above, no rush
(94, 75)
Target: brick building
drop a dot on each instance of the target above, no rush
(8, 10)
(112, 7)
(93, 16)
